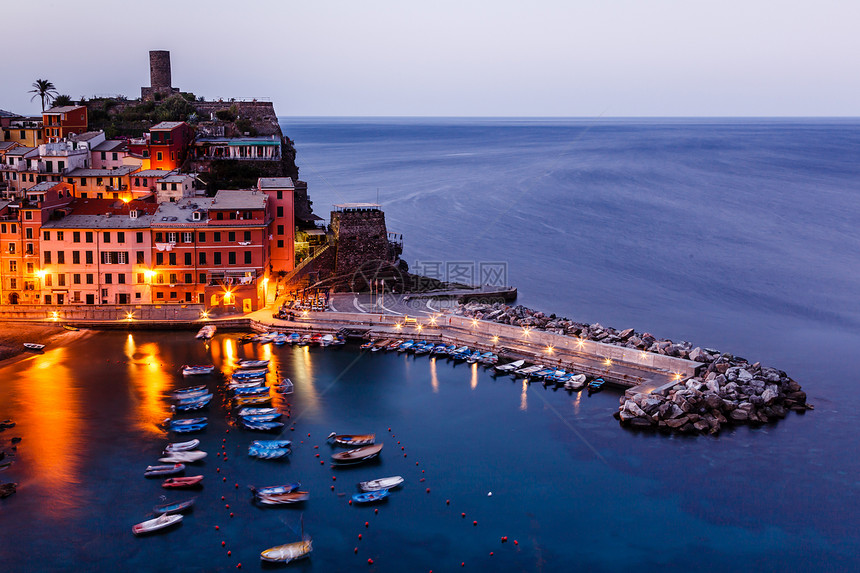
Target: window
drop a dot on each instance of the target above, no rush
(47, 257)
(217, 257)
(158, 156)
(28, 232)
(159, 295)
(114, 156)
(219, 216)
(280, 194)
(106, 237)
(76, 237)
(247, 257)
(159, 258)
(280, 229)
(280, 211)
(188, 258)
(188, 297)
(114, 258)
(160, 279)
(187, 237)
(76, 279)
(202, 258)
(231, 257)
(60, 166)
(28, 215)
(30, 268)
(173, 294)
(108, 278)
(89, 236)
(46, 235)
(48, 282)
(104, 156)
(171, 258)
(173, 185)
(89, 278)
(99, 182)
(158, 238)
(217, 238)
(83, 181)
(11, 248)
(61, 257)
(280, 243)
(28, 248)
(13, 228)
(13, 283)
(140, 257)
(202, 278)
(173, 280)
(137, 295)
(139, 237)
(13, 266)
(61, 280)
(140, 278)
(171, 237)
(247, 235)
(76, 257)
(120, 237)
(188, 278)
(137, 181)
(233, 215)
(231, 236)
(89, 257)
(201, 237)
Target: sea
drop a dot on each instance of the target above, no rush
(734, 234)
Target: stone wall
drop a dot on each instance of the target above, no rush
(185, 312)
(361, 238)
(159, 69)
(261, 113)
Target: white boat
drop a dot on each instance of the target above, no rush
(206, 332)
(183, 457)
(528, 371)
(381, 483)
(247, 364)
(159, 522)
(197, 370)
(287, 552)
(510, 366)
(326, 340)
(34, 346)
(256, 411)
(575, 383)
(286, 386)
(182, 446)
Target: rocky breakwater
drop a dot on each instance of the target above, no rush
(729, 390)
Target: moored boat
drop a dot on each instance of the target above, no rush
(267, 453)
(357, 455)
(272, 443)
(156, 471)
(260, 417)
(189, 428)
(246, 374)
(283, 498)
(189, 390)
(249, 364)
(326, 340)
(256, 411)
(275, 489)
(182, 446)
(34, 346)
(261, 426)
(576, 382)
(381, 483)
(510, 366)
(206, 332)
(160, 522)
(352, 440)
(182, 482)
(285, 387)
(7, 489)
(370, 496)
(71, 328)
(250, 390)
(196, 403)
(188, 456)
(246, 383)
(394, 345)
(253, 400)
(367, 345)
(596, 385)
(197, 369)
(287, 552)
(174, 507)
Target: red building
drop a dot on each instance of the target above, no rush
(282, 230)
(60, 122)
(168, 144)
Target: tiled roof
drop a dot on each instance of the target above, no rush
(167, 125)
(275, 183)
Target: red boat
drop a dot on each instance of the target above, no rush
(180, 482)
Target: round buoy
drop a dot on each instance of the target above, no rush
(237, 486)
(367, 524)
(225, 479)
(317, 455)
(389, 429)
(516, 542)
(359, 536)
(223, 543)
(227, 506)
(231, 514)
(222, 498)
(223, 439)
(238, 565)
(428, 490)
(402, 448)
(229, 553)
(333, 478)
(489, 494)
(491, 553)
(404, 455)
(505, 539)
(462, 515)
(332, 488)
(447, 502)
(309, 435)
(474, 523)
(376, 510)
(422, 471)
(350, 502)
(398, 442)
(225, 457)
(316, 447)
(355, 550)
(292, 429)
(463, 564)
(218, 470)
(422, 479)
(322, 461)
(370, 561)
(216, 528)
(227, 431)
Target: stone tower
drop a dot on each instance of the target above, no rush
(159, 76)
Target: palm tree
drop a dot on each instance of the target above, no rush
(62, 99)
(43, 89)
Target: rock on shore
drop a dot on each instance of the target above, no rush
(729, 389)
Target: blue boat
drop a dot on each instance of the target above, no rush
(256, 411)
(272, 444)
(406, 346)
(267, 453)
(596, 385)
(461, 353)
(175, 507)
(438, 349)
(474, 357)
(262, 426)
(370, 496)
(188, 390)
(275, 489)
(251, 390)
(188, 428)
(260, 417)
(541, 374)
(247, 374)
(294, 338)
(193, 404)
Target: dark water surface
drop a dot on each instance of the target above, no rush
(739, 235)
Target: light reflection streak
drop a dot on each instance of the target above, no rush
(149, 384)
(524, 396)
(576, 402)
(52, 408)
(434, 380)
(305, 375)
(474, 382)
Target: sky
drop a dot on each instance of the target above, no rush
(600, 58)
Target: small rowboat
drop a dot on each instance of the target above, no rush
(286, 386)
(197, 370)
(71, 328)
(596, 385)
(380, 345)
(260, 417)
(352, 440)
(357, 455)
(252, 400)
(510, 366)
(186, 422)
(189, 428)
(271, 444)
(8, 489)
(185, 401)
(284, 498)
(246, 374)
(267, 453)
(381, 483)
(246, 364)
(246, 384)
(287, 552)
(197, 404)
(188, 457)
(206, 332)
(175, 507)
(262, 426)
(181, 482)
(257, 411)
(190, 395)
(182, 446)
(370, 496)
(575, 383)
(156, 471)
(275, 489)
(34, 346)
(367, 344)
(159, 522)
(252, 391)
(184, 392)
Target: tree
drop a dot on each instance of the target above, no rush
(43, 89)
(62, 99)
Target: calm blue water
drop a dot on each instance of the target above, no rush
(732, 234)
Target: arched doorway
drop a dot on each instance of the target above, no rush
(13, 298)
